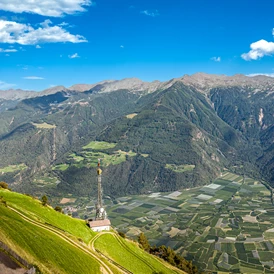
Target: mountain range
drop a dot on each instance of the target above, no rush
(151, 136)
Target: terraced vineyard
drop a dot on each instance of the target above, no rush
(227, 226)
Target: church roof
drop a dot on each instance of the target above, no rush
(97, 223)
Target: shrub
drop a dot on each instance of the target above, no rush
(44, 200)
(122, 234)
(58, 209)
(4, 185)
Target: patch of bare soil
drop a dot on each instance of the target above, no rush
(8, 266)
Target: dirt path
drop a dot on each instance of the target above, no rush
(104, 268)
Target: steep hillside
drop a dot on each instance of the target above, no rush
(56, 243)
(170, 135)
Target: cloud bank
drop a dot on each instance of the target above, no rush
(260, 74)
(54, 8)
(258, 50)
(24, 34)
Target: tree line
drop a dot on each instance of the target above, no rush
(167, 254)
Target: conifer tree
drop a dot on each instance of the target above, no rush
(44, 200)
(144, 242)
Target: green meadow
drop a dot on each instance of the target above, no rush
(43, 248)
(126, 254)
(13, 168)
(92, 152)
(34, 209)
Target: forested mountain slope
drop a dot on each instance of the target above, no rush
(165, 136)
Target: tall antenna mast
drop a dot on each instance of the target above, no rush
(100, 211)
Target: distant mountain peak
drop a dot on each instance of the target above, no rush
(53, 90)
(202, 81)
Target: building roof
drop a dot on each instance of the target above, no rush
(97, 223)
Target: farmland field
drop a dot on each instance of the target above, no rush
(99, 145)
(44, 125)
(94, 151)
(13, 168)
(227, 226)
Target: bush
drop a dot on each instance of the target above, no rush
(58, 209)
(44, 200)
(4, 185)
(122, 234)
(3, 201)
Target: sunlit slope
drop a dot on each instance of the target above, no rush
(128, 255)
(34, 209)
(57, 243)
(43, 248)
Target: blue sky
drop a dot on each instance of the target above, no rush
(64, 42)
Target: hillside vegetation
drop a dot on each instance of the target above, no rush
(56, 243)
(146, 134)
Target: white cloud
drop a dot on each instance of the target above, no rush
(54, 8)
(33, 78)
(216, 59)
(65, 24)
(75, 55)
(4, 85)
(258, 50)
(150, 13)
(260, 74)
(122, 46)
(38, 47)
(8, 50)
(46, 23)
(24, 34)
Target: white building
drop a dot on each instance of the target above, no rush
(100, 225)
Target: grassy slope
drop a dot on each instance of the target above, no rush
(55, 255)
(34, 209)
(99, 145)
(128, 255)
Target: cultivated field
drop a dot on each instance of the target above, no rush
(44, 125)
(92, 152)
(12, 168)
(227, 226)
